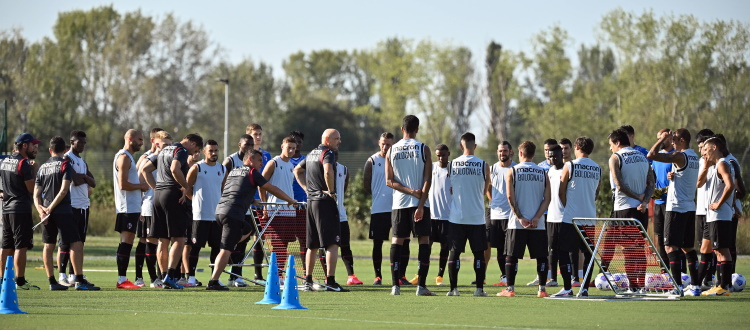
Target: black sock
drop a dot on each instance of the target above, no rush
(692, 266)
(258, 258)
(330, 280)
(726, 274)
(404, 260)
(193, 260)
(213, 283)
(424, 263)
(20, 280)
(501, 262)
(236, 258)
(140, 257)
(79, 278)
(395, 261)
(712, 269)
(675, 267)
(64, 258)
(733, 253)
(174, 274)
(346, 256)
(52, 280)
(541, 269)
(308, 278)
(574, 259)
(377, 257)
(123, 258)
(511, 268)
(480, 268)
(552, 266)
(454, 265)
(683, 263)
(565, 269)
(703, 267)
(444, 251)
(586, 261)
(151, 261)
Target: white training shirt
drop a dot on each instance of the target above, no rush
(580, 196)
(716, 187)
(733, 161)
(79, 195)
(440, 193)
(283, 178)
(499, 206)
(468, 174)
(341, 173)
(701, 202)
(634, 168)
(408, 161)
(681, 193)
(555, 209)
(207, 190)
(529, 182)
(126, 201)
(382, 195)
(147, 206)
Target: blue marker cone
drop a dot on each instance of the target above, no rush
(8, 297)
(290, 299)
(272, 295)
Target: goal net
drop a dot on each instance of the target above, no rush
(624, 259)
(283, 231)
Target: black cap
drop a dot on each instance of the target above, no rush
(26, 138)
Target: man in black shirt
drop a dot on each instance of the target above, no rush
(238, 194)
(170, 218)
(17, 185)
(317, 175)
(52, 201)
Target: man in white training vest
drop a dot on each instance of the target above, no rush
(579, 187)
(206, 180)
(382, 202)
(470, 179)
(440, 199)
(529, 196)
(679, 225)
(499, 206)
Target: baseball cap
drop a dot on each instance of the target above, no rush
(26, 138)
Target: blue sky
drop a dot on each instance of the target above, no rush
(271, 30)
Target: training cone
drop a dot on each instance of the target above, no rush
(8, 297)
(272, 295)
(290, 299)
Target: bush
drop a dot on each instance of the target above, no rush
(102, 210)
(357, 206)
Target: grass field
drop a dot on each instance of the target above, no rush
(366, 306)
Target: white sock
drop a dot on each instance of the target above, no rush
(191, 280)
(121, 279)
(580, 273)
(549, 274)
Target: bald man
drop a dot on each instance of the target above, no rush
(128, 188)
(317, 175)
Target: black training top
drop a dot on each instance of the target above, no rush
(239, 191)
(50, 178)
(163, 163)
(315, 175)
(14, 172)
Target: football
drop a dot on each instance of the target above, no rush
(601, 282)
(738, 282)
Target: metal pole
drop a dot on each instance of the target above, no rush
(226, 118)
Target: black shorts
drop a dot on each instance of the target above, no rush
(517, 240)
(17, 233)
(585, 244)
(679, 229)
(170, 216)
(403, 224)
(701, 227)
(458, 234)
(142, 228)
(632, 213)
(323, 227)
(82, 220)
(721, 234)
(345, 234)
(380, 226)
(65, 225)
(660, 218)
(562, 236)
(206, 232)
(497, 230)
(150, 225)
(127, 222)
(232, 230)
(439, 232)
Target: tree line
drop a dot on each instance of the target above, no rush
(104, 72)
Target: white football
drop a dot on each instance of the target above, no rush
(685, 279)
(601, 282)
(738, 282)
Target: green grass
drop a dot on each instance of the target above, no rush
(366, 306)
